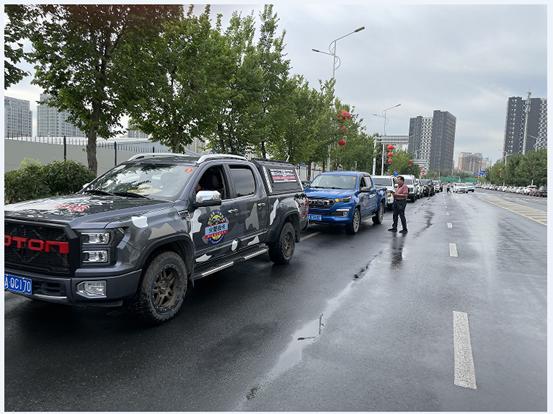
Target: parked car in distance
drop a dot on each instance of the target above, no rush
(427, 187)
(386, 183)
(470, 187)
(459, 188)
(345, 198)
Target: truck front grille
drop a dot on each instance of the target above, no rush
(21, 257)
(320, 203)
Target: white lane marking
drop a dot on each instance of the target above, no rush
(462, 351)
(310, 235)
(447, 214)
(453, 250)
(449, 225)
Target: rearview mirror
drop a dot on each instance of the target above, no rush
(208, 198)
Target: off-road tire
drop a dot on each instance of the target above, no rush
(379, 215)
(353, 226)
(282, 250)
(156, 285)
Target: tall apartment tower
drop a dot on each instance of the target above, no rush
(53, 123)
(470, 162)
(525, 125)
(432, 140)
(18, 118)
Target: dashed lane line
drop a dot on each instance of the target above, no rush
(449, 225)
(462, 350)
(453, 250)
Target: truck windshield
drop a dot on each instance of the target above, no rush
(152, 180)
(341, 182)
(383, 181)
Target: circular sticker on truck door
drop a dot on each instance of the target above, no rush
(217, 227)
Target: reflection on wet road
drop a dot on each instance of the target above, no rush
(355, 323)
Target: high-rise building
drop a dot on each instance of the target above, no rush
(53, 123)
(18, 118)
(525, 125)
(470, 162)
(432, 140)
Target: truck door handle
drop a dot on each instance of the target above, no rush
(233, 210)
(259, 205)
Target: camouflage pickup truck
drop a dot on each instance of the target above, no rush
(140, 234)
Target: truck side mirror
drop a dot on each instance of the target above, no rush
(208, 198)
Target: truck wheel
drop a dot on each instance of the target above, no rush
(379, 215)
(282, 250)
(353, 226)
(163, 288)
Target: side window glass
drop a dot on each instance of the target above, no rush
(213, 180)
(243, 180)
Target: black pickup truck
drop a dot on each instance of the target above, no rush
(140, 234)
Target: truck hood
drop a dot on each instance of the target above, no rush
(328, 193)
(69, 208)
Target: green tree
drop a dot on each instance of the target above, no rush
(80, 60)
(275, 70)
(15, 32)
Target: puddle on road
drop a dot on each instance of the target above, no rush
(308, 334)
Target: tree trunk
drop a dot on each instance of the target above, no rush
(91, 151)
(263, 150)
(92, 134)
(309, 171)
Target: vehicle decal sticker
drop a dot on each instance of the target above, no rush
(282, 175)
(217, 227)
(273, 212)
(140, 222)
(254, 241)
(253, 219)
(195, 225)
(203, 258)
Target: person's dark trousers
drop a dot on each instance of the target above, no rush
(399, 210)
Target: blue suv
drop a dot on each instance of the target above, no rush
(345, 198)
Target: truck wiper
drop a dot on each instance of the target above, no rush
(129, 194)
(96, 191)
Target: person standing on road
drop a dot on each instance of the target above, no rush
(400, 201)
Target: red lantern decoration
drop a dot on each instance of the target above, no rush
(341, 142)
(343, 128)
(391, 147)
(390, 154)
(410, 163)
(389, 160)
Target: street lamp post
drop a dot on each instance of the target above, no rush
(384, 115)
(336, 61)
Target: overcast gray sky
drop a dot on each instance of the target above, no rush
(466, 59)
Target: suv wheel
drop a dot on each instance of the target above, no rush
(380, 215)
(282, 250)
(162, 289)
(353, 226)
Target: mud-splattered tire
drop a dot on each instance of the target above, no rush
(282, 250)
(162, 290)
(355, 224)
(379, 215)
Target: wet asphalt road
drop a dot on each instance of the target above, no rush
(355, 323)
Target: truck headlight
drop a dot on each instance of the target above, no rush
(102, 237)
(343, 200)
(95, 256)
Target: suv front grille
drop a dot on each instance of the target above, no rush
(320, 203)
(26, 259)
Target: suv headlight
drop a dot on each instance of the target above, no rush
(97, 238)
(343, 200)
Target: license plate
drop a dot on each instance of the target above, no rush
(315, 217)
(18, 284)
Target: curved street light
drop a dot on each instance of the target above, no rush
(384, 111)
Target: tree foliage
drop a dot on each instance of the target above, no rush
(81, 62)
(520, 169)
(15, 32)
